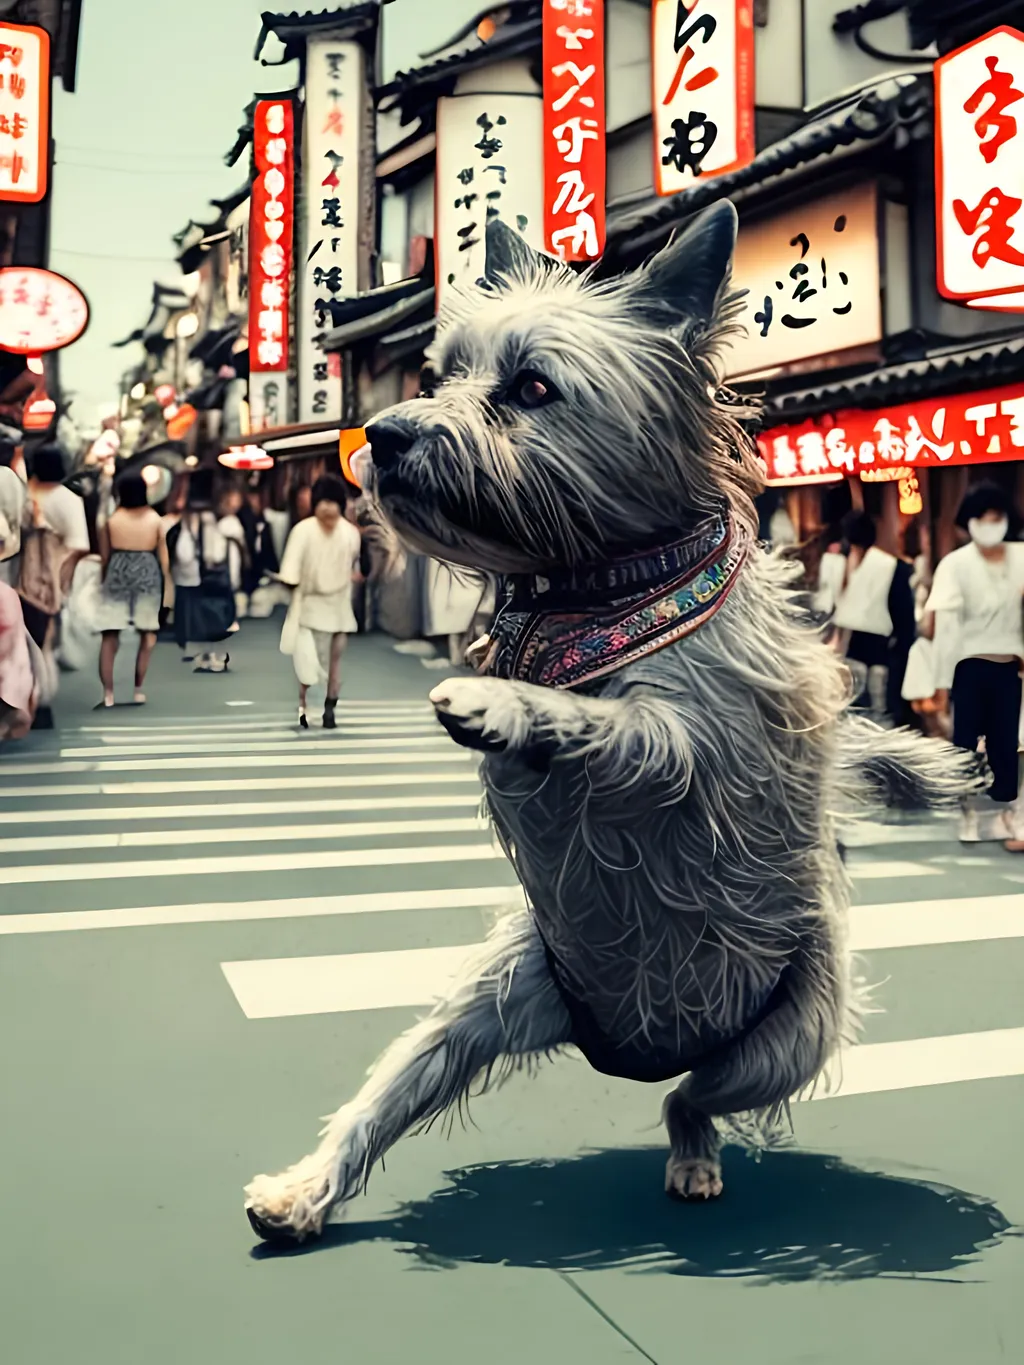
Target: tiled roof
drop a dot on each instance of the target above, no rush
(353, 20)
(948, 371)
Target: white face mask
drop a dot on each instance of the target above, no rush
(987, 533)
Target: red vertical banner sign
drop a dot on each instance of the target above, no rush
(574, 129)
(270, 235)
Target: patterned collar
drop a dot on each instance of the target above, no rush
(572, 627)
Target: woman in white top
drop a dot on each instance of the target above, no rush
(977, 605)
(321, 562)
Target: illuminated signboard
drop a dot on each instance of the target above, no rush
(39, 311)
(24, 112)
(574, 128)
(971, 428)
(702, 74)
(979, 142)
(271, 226)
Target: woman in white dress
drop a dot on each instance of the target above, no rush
(321, 562)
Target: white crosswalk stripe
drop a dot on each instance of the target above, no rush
(388, 778)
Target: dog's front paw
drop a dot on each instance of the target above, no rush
(481, 713)
(693, 1178)
(288, 1207)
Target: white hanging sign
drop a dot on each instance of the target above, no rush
(702, 78)
(328, 265)
(489, 165)
(979, 184)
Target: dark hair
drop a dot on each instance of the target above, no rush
(859, 529)
(982, 498)
(329, 488)
(131, 491)
(200, 490)
(47, 463)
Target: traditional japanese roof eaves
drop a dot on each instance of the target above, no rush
(208, 346)
(395, 346)
(863, 121)
(947, 371)
(413, 90)
(374, 323)
(357, 19)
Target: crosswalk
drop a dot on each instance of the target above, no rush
(242, 821)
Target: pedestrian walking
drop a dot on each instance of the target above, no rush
(204, 602)
(976, 616)
(135, 581)
(55, 536)
(875, 616)
(321, 563)
(17, 683)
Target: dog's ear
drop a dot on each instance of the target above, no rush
(509, 257)
(688, 273)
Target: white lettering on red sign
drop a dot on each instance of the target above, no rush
(979, 142)
(974, 428)
(574, 129)
(270, 236)
(24, 112)
(702, 72)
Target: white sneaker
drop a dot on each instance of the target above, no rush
(970, 832)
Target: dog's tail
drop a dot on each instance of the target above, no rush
(898, 768)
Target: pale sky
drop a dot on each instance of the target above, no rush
(161, 89)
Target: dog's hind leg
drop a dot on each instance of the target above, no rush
(758, 1073)
(504, 1009)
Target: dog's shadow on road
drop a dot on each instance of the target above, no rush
(791, 1216)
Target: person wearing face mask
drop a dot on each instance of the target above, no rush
(976, 615)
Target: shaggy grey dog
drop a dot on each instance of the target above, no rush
(668, 797)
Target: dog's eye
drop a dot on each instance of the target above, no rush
(532, 390)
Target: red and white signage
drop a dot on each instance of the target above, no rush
(24, 112)
(971, 428)
(574, 129)
(702, 75)
(979, 182)
(246, 457)
(39, 311)
(270, 235)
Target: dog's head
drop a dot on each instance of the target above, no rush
(569, 418)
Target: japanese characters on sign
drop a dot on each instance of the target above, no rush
(979, 143)
(574, 129)
(270, 235)
(702, 74)
(814, 283)
(488, 152)
(24, 112)
(39, 311)
(271, 229)
(329, 267)
(971, 428)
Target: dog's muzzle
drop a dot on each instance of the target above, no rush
(390, 438)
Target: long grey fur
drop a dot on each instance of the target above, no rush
(674, 831)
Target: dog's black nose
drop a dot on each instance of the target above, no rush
(390, 438)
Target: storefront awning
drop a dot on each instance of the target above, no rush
(940, 372)
(374, 321)
(302, 441)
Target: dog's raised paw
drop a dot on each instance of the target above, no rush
(693, 1178)
(281, 1208)
(481, 713)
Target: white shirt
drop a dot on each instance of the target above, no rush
(979, 608)
(64, 513)
(864, 603)
(321, 566)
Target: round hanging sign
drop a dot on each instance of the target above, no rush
(40, 310)
(246, 457)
